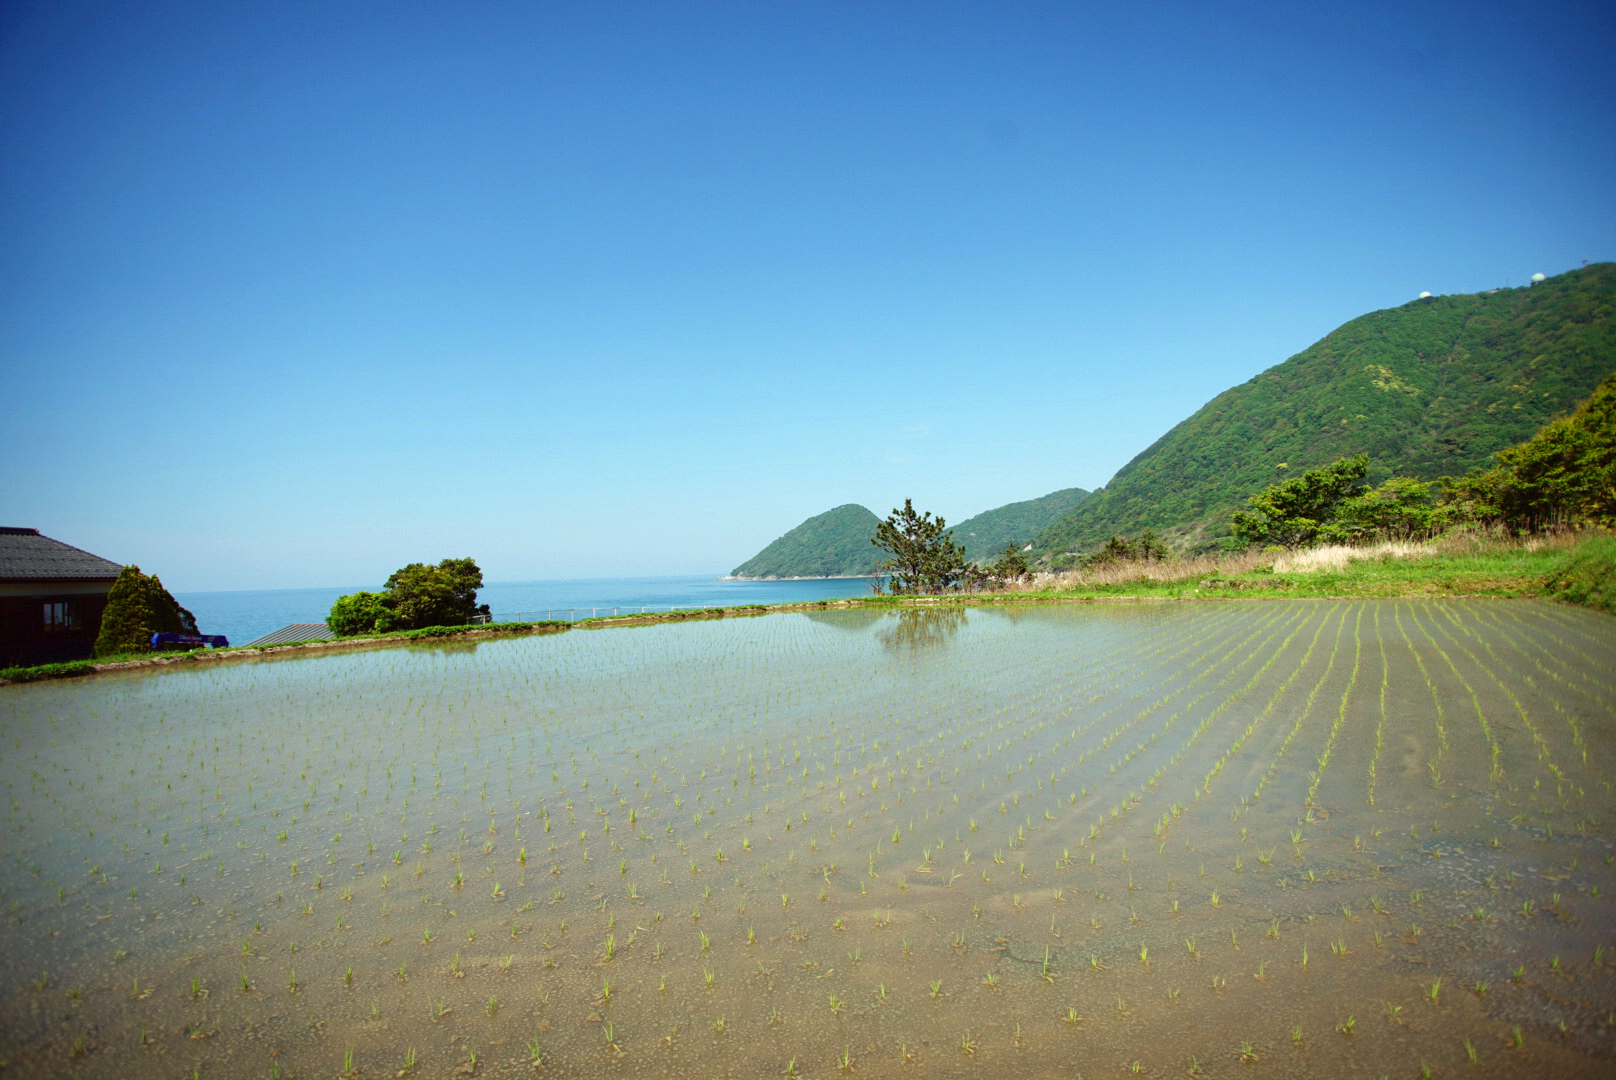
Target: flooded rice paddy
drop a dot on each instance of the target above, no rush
(1225, 839)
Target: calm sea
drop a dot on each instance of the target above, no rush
(243, 616)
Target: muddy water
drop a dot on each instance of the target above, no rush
(1257, 839)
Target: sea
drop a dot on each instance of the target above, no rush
(245, 615)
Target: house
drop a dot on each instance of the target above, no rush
(51, 598)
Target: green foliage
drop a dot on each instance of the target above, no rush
(360, 613)
(1588, 576)
(1563, 475)
(137, 607)
(1010, 567)
(66, 670)
(1146, 547)
(1433, 388)
(833, 544)
(1293, 512)
(1016, 523)
(1399, 509)
(923, 559)
(417, 596)
(425, 632)
(441, 595)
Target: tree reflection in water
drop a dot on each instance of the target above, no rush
(922, 628)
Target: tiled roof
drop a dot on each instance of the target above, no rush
(298, 631)
(27, 556)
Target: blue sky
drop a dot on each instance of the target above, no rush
(292, 294)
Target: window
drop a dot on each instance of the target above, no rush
(61, 618)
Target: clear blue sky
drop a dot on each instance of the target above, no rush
(294, 293)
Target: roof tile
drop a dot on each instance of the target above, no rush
(27, 556)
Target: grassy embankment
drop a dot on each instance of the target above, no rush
(72, 668)
(1578, 568)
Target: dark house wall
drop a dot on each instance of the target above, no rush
(49, 627)
(52, 598)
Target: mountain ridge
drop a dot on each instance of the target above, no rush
(837, 542)
(833, 544)
(1434, 387)
(985, 535)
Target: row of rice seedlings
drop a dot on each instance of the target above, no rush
(1302, 715)
(1293, 625)
(1495, 751)
(1234, 748)
(1341, 714)
(1545, 753)
(1562, 688)
(1438, 713)
(1380, 723)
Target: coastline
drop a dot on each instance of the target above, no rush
(803, 577)
(1578, 571)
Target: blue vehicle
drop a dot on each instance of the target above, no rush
(188, 641)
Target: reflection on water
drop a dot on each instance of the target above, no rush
(1256, 839)
(917, 629)
(854, 619)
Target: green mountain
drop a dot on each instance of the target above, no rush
(985, 535)
(1432, 388)
(834, 544)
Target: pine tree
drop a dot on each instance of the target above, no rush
(924, 558)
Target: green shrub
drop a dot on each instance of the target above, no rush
(137, 607)
(1142, 548)
(359, 613)
(1588, 576)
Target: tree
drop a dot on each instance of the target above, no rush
(1010, 567)
(1565, 474)
(1291, 512)
(441, 595)
(416, 596)
(923, 556)
(1398, 509)
(137, 607)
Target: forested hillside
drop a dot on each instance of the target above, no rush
(833, 544)
(985, 535)
(1429, 389)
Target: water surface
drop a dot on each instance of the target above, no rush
(1252, 838)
